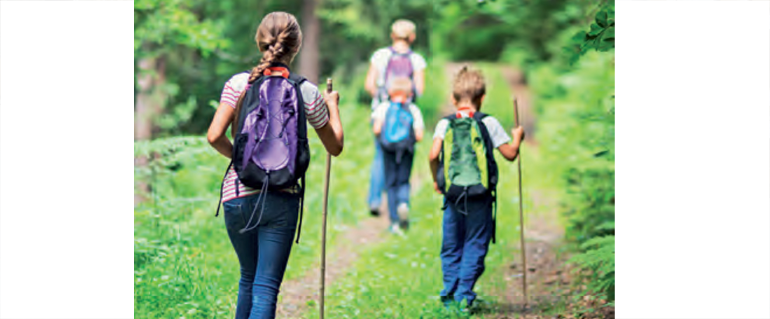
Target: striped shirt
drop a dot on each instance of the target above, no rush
(315, 110)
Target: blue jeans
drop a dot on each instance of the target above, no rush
(397, 181)
(377, 181)
(262, 252)
(464, 247)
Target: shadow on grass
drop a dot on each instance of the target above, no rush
(544, 305)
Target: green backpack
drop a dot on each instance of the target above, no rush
(467, 167)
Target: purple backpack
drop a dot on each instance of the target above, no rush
(270, 148)
(399, 65)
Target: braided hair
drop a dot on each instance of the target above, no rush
(278, 38)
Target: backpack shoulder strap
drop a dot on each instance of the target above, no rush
(491, 167)
(394, 53)
(479, 115)
(296, 79)
(249, 99)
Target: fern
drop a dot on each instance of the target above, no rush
(599, 258)
(165, 159)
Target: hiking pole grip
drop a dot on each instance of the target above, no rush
(325, 214)
(521, 212)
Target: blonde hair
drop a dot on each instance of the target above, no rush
(402, 29)
(279, 39)
(469, 86)
(401, 84)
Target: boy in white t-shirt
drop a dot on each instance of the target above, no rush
(468, 225)
(399, 60)
(397, 141)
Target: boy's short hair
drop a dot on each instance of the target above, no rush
(469, 85)
(402, 29)
(401, 84)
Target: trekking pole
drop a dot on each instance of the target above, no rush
(521, 213)
(326, 204)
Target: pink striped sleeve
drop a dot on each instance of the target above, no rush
(233, 89)
(315, 108)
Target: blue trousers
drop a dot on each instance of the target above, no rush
(262, 252)
(397, 180)
(377, 181)
(463, 249)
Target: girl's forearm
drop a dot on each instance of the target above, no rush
(223, 146)
(336, 124)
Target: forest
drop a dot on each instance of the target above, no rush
(556, 57)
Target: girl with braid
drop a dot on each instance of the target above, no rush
(263, 247)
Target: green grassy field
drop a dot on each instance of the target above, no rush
(185, 266)
(184, 263)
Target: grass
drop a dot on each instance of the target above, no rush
(185, 266)
(401, 277)
(183, 262)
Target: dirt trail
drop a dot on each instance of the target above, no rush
(546, 272)
(549, 280)
(518, 83)
(296, 294)
(548, 277)
(542, 234)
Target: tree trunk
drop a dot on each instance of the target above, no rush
(143, 109)
(311, 31)
(149, 104)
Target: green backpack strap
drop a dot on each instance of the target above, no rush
(491, 167)
(441, 174)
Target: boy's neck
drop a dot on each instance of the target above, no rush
(466, 110)
(466, 106)
(401, 46)
(399, 97)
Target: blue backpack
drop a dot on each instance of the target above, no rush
(397, 132)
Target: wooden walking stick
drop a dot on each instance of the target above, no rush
(326, 204)
(521, 213)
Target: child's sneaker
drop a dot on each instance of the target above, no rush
(476, 306)
(396, 230)
(403, 215)
(447, 300)
(374, 211)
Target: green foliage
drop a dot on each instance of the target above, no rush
(468, 30)
(600, 36)
(164, 26)
(184, 264)
(203, 43)
(354, 29)
(598, 257)
(576, 116)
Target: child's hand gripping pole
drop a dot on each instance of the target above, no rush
(323, 229)
(521, 212)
